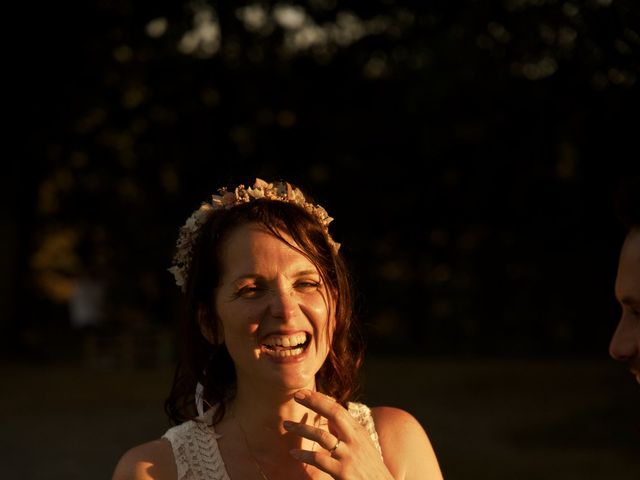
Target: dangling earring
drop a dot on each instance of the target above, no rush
(199, 393)
(199, 399)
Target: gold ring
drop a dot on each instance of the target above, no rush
(331, 450)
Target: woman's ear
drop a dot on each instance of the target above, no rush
(205, 320)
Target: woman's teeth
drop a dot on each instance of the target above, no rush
(284, 353)
(285, 345)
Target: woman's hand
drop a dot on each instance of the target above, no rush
(348, 452)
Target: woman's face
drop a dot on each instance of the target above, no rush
(275, 313)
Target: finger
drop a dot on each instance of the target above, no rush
(330, 409)
(323, 438)
(322, 461)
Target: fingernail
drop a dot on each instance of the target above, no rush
(301, 394)
(287, 424)
(296, 453)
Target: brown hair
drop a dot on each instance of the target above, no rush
(210, 364)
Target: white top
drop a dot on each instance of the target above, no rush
(195, 447)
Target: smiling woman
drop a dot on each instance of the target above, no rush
(275, 321)
(267, 379)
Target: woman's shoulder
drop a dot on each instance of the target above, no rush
(406, 448)
(149, 461)
(386, 416)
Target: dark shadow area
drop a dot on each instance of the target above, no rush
(469, 154)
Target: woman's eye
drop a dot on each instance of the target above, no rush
(308, 285)
(249, 291)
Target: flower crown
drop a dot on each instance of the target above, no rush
(279, 191)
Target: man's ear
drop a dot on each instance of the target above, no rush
(205, 318)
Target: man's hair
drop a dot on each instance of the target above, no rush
(627, 203)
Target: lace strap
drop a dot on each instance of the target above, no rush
(362, 414)
(196, 452)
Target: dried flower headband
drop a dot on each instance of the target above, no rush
(280, 191)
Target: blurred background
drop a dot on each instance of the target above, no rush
(468, 151)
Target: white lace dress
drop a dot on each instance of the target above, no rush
(195, 447)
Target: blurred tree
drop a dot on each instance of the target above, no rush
(467, 150)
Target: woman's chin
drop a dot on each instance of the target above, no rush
(287, 380)
(294, 383)
(292, 375)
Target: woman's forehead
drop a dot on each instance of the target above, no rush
(251, 249)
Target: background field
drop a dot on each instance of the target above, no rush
(487, 419)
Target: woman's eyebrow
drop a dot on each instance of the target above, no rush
(253, 276)
(302, 273)
(247, 276)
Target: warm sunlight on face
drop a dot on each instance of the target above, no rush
(274, 310)
(625, 344)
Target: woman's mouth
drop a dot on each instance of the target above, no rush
(284, 346)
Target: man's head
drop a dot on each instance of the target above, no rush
(625, 343)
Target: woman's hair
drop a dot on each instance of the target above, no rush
(210, 363)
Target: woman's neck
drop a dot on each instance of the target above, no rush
(260, 413)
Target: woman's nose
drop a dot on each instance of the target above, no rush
(283, 304)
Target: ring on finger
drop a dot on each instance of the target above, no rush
(332, 450)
